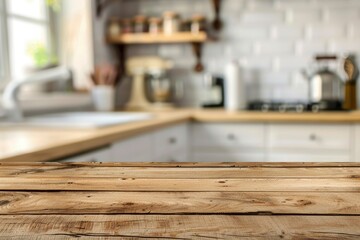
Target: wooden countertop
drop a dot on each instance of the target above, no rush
(180, 201)
(32, 144)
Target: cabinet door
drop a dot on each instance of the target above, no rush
(357, 144)
(324, 137)
(135, 149)
(171, 140)
(101, 155)
(224, 136)
(219, 142)
(228, 156)
(308, 157)
(310, 143)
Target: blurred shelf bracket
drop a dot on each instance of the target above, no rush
(197, 49)
(217, 23)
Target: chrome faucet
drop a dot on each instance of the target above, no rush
(10, 100)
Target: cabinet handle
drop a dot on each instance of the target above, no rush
(313, 137)
(231, 137)
(172, 140)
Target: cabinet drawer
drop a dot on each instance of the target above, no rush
(171, 140)
(228, 156)
(102, 155)
(310, 137)
(304, 157)
(136, 149)
(177, 156)
(228, 136)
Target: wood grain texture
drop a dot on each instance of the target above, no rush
(181, 227)
(148, 38)
(80, 202)
(180, 185)
(69, 171)
(191, 201)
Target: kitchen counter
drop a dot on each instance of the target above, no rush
(180, 201)
(40, 144)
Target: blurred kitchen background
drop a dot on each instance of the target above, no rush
(272, 40)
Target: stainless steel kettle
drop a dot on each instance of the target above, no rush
(324, 84)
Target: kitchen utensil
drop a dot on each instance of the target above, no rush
(352, 73)
(325, 86)
(103, 98)
(106, 75)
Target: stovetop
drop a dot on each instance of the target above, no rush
(298, 107)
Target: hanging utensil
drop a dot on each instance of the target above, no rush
(352, 74)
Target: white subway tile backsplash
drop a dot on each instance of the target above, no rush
(260, 4)
(262, 16)
(341, 47)
(292, 63)
(310, 16)
(275, 48)
(288, 32)
(258, 62)
(310, 48)
(249, 32)
(171, 51)
(294, 4)
(336, 15)
(323, 31)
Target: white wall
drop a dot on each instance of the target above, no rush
(274, 39)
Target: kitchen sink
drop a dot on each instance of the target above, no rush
(81, 120)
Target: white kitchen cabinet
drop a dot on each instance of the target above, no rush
(218, 142)
(171, 144)
(357, 144)
(228, 136)
(228, 156)
(317, 137)
(308, 157)
(166, 145)
(310, 143)
(135, 149)
(100, 155)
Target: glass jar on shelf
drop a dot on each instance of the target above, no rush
(155, 25)
(114, 27)
(140, 24)
(126, 25)
(171, 23)
(198, 24)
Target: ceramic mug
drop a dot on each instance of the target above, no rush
(103, 98)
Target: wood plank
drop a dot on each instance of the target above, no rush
(148, 38)
(181, 227)
(68, 171)
(188, 164)
(12, 203)
(181, 185)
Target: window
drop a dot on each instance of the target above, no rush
(26, 37)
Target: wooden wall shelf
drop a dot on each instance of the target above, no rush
(148, 38)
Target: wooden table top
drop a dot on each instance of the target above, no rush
(180, 201)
